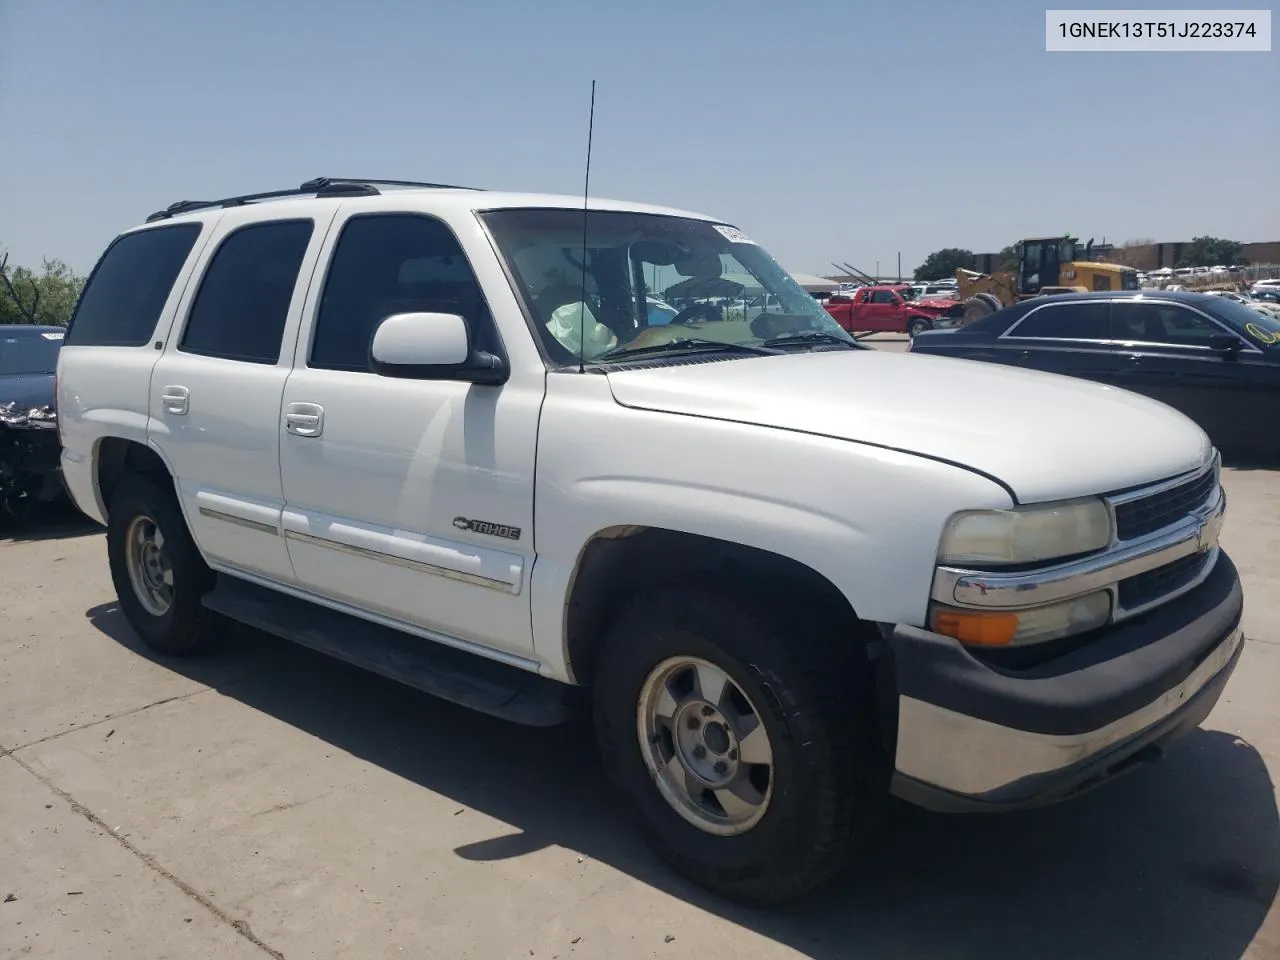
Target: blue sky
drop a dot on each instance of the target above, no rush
(827, 131)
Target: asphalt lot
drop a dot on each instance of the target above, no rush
(267, 801)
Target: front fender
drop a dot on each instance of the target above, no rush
(865, 518)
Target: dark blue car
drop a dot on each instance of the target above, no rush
(29, 449)
(1214, 359)
(28, 360)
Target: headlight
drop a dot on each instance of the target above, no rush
(1013, 628)
(1025, 534)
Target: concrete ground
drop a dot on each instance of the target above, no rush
(268, 802)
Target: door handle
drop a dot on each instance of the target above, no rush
(304, 419)
(176, 400)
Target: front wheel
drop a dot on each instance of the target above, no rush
(746, 750)
(918, 325)
(158, 573)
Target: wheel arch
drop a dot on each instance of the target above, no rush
(614, 560)
(115, 458)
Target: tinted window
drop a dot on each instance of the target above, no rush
(240, 310)
(28, 351)
(1163, 323)
(1073, 321)
(395, 263)
(883, 296)
(127, 290)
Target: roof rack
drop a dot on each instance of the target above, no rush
(320, 187)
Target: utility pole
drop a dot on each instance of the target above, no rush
(899, 266)
(877, 271)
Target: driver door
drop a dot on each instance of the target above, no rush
(410, 500)
(883, 311)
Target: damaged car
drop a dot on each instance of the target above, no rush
(29, 447)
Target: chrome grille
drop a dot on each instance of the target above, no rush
(1146, 587)
(1144, 515)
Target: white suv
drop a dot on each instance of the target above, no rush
(431, 431)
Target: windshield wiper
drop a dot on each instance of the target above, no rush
(684, 343)
(811, 336)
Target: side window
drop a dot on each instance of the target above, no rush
(1081, 320)
(884, 296)
(240, 309)
(393, 263)
(121, 304)
(1162, 323)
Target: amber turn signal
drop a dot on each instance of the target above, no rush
(978, 628)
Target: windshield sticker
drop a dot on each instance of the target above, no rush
(1265, 337)
(732, 234)
(53, 336)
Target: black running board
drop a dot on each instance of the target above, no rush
(442, 671)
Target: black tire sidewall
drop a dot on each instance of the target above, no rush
(799, 814)
(179, 631)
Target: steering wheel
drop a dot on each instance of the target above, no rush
(705, 311)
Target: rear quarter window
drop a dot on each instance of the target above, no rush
(127, 290)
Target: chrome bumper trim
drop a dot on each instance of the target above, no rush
(973, 758)
(1198, 532)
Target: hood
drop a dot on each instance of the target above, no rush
(1045, 436)
(932, 305)
(27, 390)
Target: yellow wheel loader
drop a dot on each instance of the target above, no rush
(1046, 265)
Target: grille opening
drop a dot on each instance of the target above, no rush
(1137, 518)
(1158, 583)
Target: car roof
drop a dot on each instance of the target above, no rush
(1002, 318)
(428, 199)
(1182, 296)
(11, 328)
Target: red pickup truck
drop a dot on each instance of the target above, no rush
(884, 308)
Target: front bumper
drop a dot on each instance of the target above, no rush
(975, 737)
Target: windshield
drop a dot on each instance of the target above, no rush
(29, 352)
(1259, 328)
(649, 280)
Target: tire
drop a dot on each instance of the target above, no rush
(814, 695)
(183, 627)
(918, 325)
(977, 307)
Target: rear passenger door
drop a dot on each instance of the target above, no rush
(1071, 338)
(215, 392)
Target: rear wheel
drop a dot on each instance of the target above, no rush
(745, 745)
(158, 573)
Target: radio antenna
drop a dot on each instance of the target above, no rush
(586, 187)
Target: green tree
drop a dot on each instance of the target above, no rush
(944, 263)
(1211, 251)
(1009, 258)
(44, 297)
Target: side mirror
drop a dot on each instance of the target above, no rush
(1224, 343)
(432, 346)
